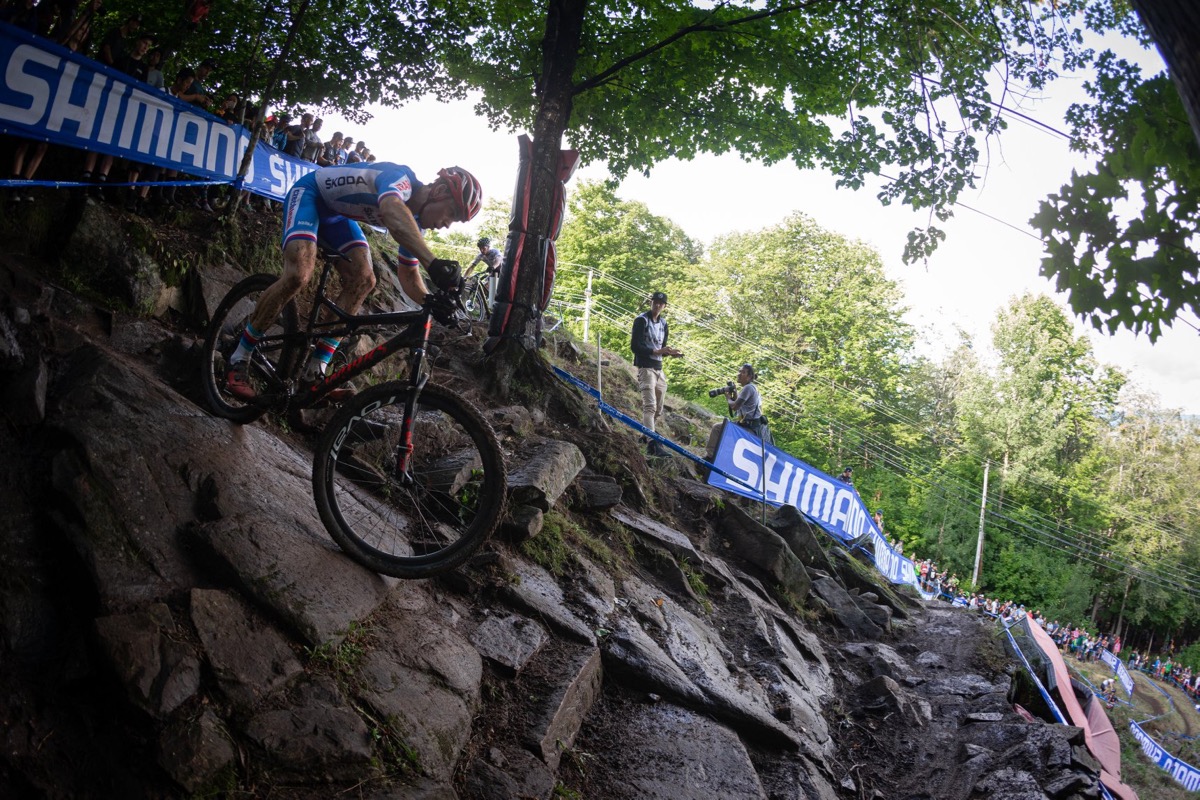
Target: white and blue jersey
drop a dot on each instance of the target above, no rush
(331, 201)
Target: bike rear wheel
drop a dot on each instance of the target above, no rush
(427, 521)
(272, 363)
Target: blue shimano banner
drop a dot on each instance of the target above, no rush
(833, 505)
(1118, 667)
(50, 93)
(1183, 773)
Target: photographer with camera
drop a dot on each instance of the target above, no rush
(649, 345)
(745, 403)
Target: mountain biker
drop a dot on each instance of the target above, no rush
(330, 203)
(487, 254)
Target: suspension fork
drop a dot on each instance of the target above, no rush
(416, 382)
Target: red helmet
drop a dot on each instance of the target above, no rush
(466, 190)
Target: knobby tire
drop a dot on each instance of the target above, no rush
(429, 524)
(221, 338)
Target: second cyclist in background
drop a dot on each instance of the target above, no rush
(330, 203)
(488, 255)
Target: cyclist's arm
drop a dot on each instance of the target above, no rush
(471, 266)
(403, 228)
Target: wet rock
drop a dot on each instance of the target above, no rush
(844, 610)
(544, 470)
(508, 642)
(928, 660)
(880, 659)
(882, 696)
(558, 722)
(204, 289)
(866, 579)
(666, 752)
(318, 740)
(159, 672)
(674, 542)
(26, 393)
(426, 677)
(315, 589)
(114, 261)
(594, 590)
(1010, 784)
(537, 592)
(522, 775)
(760, 546)
(194, 751)
(692, 649)
(880, 615)
(967, 686)
(597, 492)
(249, 657)
(804, 540)
(516, 420)
(521, 523)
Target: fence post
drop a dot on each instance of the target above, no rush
(587, 307)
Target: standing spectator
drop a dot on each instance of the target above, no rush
(329, 153)
(74, 32)
(279, 138)
(197, 93)
(648, 341)
(154, 73)
(229, 109)
(312, 142)
(847, 476)
(295, 136)
(878, 518)
(119, 41)
(344, 155)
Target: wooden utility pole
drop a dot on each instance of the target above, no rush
(979, 546)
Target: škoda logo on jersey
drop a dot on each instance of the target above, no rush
(345, 180)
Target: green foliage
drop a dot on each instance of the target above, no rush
(1120, 239)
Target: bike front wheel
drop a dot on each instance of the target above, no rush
(475, 300)
(272, 362)
(416, 520)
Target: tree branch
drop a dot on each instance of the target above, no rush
(699, 27)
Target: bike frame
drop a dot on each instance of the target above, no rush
(414, 337)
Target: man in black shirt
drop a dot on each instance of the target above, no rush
(649, 344)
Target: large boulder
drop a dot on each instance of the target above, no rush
(760, 546)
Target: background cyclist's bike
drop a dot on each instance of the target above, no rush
(408, 476)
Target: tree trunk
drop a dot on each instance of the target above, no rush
(555, 89)
(1175, 27)
(280, 63)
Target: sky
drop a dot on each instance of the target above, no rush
(984, 262)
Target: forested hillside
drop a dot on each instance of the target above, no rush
(1091, 510)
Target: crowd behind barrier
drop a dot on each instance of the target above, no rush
(84, 103)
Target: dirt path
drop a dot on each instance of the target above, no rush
(1182, 719)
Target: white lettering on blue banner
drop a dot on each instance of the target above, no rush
(1183, 773)
(785, 480)
(48, 92)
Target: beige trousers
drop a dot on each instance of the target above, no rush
(653, 384)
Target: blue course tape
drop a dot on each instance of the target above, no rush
(102, 184)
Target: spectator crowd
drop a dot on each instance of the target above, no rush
(123, 44)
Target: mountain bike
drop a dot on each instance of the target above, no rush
(476, 303)
(408, 477)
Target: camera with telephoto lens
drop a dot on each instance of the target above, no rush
(728, 388)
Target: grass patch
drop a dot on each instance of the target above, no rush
(562, 540)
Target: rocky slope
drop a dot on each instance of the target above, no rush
(177, 623)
